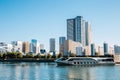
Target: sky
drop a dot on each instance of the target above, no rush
(24, 20)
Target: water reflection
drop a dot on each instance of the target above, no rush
(50, 71)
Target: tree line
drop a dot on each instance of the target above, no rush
(18, 55)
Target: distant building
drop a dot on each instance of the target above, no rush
(116, 49)
(41, 46)
(79, 51)
(111, 50)
(4, 47)
(87, 50)
(52, 45)
(105, 45)
(100, 51)
(17, 46)
(61, 44)
(26, 47)
(92, 49)
(70, 47)
(35, 46)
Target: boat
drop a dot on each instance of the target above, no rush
(85, 61)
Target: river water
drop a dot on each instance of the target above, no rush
(50, 71)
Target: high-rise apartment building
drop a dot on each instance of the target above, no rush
(61, 44)
(52, 45)
(26, 47)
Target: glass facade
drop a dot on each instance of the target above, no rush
(105, 48)
(76, 29)
(92, 50)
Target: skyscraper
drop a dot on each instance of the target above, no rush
(52, 45)
(88, 33)
(78, 30)
(61, 44)
(105, 45)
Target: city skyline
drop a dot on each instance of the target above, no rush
(26, 20)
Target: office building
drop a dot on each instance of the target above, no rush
(70, 47)
(79, 51)
(35, 46)
(80, 31)
(26, 47)
(88, 33)
(52, 45)
(111, 50)
(76, 29)
(61, 44)
(100, 51)
(105, 45)
(92, 49)
(87, 50)
(116, 49)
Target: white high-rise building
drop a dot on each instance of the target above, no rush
(88, 33)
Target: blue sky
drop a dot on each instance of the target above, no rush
(43, 19)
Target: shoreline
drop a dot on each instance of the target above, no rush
(27, 60)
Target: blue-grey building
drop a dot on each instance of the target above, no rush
(105, 45)
(52, 44)
(34, 47)
(61, 44)
(76, 29)
(92, 49)
(117, 49)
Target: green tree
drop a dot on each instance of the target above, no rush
(29, 55)
(49, 56)
(60, 55)
(72, 55)
(38, 56)
(11, 55)
(19, 55)
(1, 55)
(96, 54)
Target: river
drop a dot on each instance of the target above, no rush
(50, 71)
